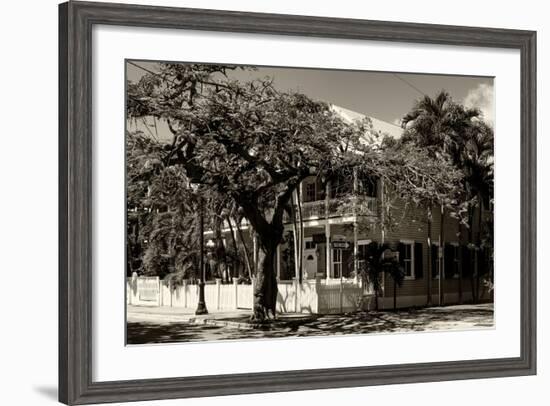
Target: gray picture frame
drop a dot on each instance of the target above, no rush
(76, 20)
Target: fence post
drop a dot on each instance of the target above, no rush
(236, 293)
(296, 302)
(341, 295)
(184, 289)
(159, 296)
(252, 283)
(317, 294)
(133, 287)
(170, 290)
(218, 288)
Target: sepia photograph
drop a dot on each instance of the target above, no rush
(283, 202)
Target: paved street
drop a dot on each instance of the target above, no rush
(166, 325)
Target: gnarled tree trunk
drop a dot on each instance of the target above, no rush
(265, 287)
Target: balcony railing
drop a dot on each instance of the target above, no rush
(316, 210)
(336, 207)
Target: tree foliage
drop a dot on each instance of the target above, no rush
(250, 146)
(244, 141)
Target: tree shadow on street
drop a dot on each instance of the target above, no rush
(410, 320)
(146, 333)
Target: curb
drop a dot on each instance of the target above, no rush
(225, 323)
(205, 320)
(158, 317)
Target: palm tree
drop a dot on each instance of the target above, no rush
(477, 161)
(439, 125)
(373, 264)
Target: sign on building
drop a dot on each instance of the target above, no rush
(342, 245)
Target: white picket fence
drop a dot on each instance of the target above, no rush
(341, 297)
(310, 296)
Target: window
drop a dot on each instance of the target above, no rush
(451, 257)
(456, 260)
(311, 192)
(337, 263)
(452, 260)
(368, 185)
(361, 256)
(341, 186)
(362, 253)
(408, 259)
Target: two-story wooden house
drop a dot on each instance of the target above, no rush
(335, 241)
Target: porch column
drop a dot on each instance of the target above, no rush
(299, 201)
(329, 251)
(355, 247)
(297, 236)
(278, 262)
(355, 253)
(382, 229)
(382, 213)
(328, 264)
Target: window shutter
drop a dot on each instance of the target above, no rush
(459, 252)
(372, 247)
(466, 262)
(434, 260)
(481, 265)
(373, 187)
(448, 255)
(320, 189)
(418, 263)
(347, 263)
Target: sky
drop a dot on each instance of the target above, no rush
(386, 96)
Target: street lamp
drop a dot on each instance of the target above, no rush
(201, 306)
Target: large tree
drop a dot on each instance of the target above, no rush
(245, 141)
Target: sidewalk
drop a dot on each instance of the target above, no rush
(177, 314)
(431, 318)
(231, 318)
(148, 325)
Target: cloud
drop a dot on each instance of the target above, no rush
(482, 97)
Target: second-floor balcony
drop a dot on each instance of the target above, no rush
(317, 210)
(321, 209)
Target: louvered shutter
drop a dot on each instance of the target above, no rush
(418, 261)
(435, 259)
(481, 263)
(372, 250)
(449, 261)
(466, 262)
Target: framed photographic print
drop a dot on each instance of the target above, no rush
(310, 202)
